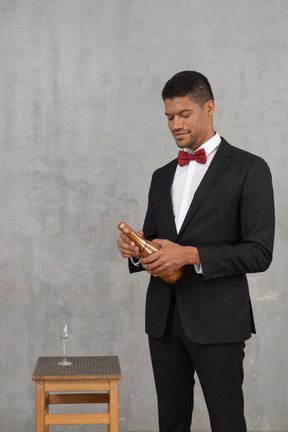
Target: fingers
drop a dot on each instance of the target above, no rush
(152, 263)
(127, 248)
(168, 258)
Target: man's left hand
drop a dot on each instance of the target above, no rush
(170, 257)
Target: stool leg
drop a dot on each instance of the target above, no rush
(46, 411)
(113, 406)
(39, 407)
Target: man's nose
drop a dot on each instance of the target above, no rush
(178, 123)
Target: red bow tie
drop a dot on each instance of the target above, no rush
(184, 157)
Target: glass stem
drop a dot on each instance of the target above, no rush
(64, 350)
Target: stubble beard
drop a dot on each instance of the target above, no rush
(189, 144)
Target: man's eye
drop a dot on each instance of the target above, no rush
(170, 118)
(185, 115)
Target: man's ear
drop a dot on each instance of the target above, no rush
(210, 107)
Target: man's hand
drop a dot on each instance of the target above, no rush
(127, 248)
(170, 257)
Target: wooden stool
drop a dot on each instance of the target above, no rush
(86, 374)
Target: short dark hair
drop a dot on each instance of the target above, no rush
(188, 83)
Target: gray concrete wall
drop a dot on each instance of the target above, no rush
(80, 118)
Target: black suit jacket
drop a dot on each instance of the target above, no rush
(231, 222)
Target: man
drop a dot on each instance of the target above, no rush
(215, 217)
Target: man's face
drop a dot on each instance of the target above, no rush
(190, 124)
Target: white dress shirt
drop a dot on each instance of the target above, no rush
(186, 181)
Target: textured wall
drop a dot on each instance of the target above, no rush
(80, 118)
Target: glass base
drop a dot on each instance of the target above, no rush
(64, 363)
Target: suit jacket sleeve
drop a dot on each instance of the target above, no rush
(253, 252)
(149, 230)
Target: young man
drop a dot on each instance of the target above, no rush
(213, 215)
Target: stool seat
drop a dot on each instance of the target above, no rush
(85, 374)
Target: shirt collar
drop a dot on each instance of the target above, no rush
(209, 146)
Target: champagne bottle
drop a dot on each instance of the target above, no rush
(147, 248)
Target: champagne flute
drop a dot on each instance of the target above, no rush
(65, 332)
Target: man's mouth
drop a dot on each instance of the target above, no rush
(180, 135)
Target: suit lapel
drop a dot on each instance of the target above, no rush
(166, 199)
(221, 161)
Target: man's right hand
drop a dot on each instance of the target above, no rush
(127, 248)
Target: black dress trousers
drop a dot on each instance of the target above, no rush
(219, 367)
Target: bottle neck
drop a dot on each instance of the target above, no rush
(140, 242)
